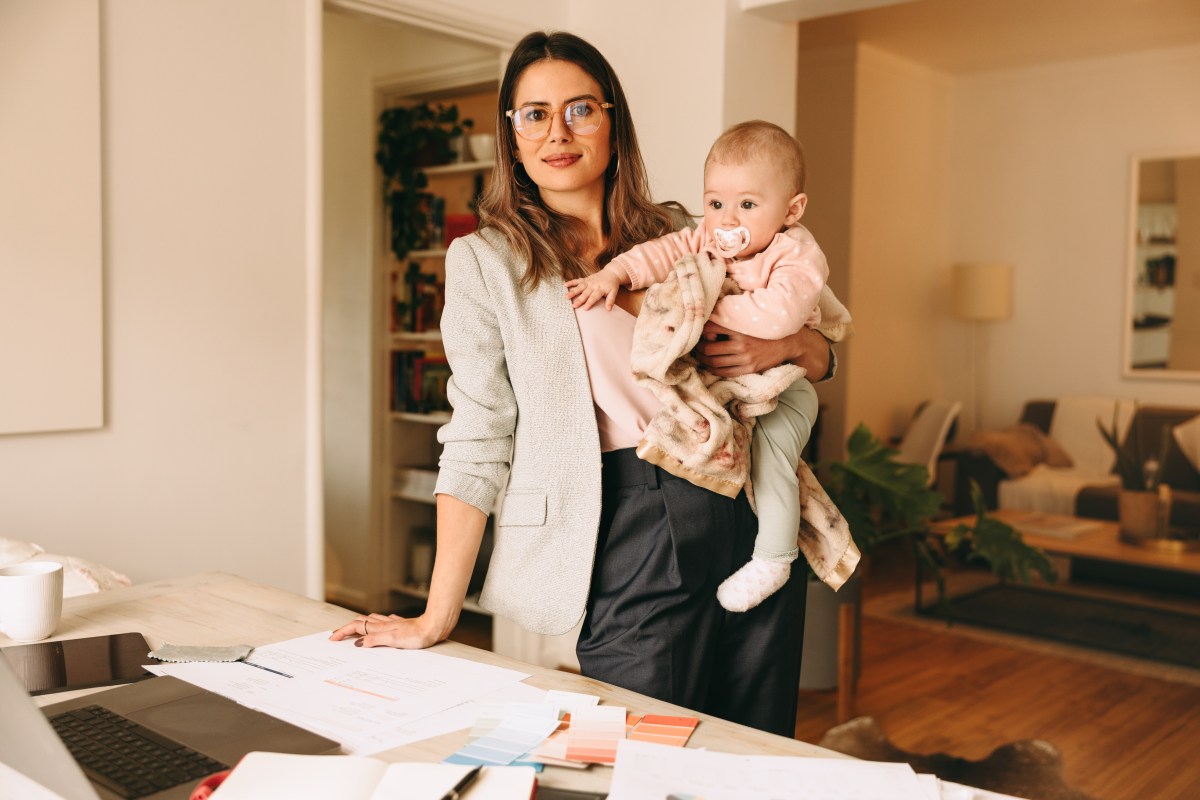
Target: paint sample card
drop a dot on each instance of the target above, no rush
(492, 715)
(673, 731)
(553, 751)
(569, 701)
(594, 734)
(522, 728)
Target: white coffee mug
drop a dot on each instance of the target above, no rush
(31, 595)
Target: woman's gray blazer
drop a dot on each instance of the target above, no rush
(522, 409)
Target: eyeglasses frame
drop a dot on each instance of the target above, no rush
(553, 111)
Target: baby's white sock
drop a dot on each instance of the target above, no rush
(757, 580)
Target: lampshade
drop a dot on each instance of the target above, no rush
(983, 292)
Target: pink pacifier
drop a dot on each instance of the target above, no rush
(731, 242)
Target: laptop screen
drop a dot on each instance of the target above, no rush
(29, 745)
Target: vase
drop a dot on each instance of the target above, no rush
(1144, 515)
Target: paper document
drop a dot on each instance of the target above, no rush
(368, 699)
(280, 776)
(647, 771)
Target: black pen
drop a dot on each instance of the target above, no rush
(268, 669)
(463, 784)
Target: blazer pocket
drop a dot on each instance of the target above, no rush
(523, 508)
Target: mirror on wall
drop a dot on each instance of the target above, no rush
(1162, 322)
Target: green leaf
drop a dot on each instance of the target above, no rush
(880, 497)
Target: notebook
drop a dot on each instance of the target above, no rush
(202, 721)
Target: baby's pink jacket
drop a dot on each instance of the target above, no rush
(781, 284)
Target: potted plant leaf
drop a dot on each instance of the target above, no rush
(411, 138)
(1144, 501)
(884, 499)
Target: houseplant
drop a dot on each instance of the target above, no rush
(1144, 502)
(883, 499)
(411, 138)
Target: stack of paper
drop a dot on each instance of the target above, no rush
(279, 776)
(647, 771)
(368, 699)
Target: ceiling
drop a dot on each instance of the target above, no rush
(966, 36)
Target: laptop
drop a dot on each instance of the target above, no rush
(214, 732)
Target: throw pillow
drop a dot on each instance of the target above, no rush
(13, 551)
(1187, 436)
(1019, 448)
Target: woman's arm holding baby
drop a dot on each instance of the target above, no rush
(728, 353)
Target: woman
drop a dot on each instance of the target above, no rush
(536, 400)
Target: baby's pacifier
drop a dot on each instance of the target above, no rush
(731, 242)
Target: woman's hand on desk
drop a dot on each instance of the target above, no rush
(460, 529)
(379, 630)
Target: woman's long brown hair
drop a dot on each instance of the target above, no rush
(551, 243)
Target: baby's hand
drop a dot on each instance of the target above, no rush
(586, 292)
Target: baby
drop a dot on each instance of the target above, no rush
(753, 200)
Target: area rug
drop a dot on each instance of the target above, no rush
(897, 607)
(1030, 768)
(1132, 630)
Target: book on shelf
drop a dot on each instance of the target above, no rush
(418, 382)
(418, 298)
(429, 377)
(283, 776)
(400, 396)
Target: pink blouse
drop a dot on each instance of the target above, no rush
(623, 408)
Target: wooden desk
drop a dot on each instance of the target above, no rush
(221, 609)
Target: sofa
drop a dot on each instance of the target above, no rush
(1075, 474)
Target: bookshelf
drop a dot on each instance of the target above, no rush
(411, 373)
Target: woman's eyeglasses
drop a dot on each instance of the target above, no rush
(533, 120)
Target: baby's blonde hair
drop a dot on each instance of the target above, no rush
(760, 140)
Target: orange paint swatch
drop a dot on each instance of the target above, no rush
(674, 731)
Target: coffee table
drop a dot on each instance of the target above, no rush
(1080, 537)
(1144, 621)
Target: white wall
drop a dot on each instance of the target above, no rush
(204, 461)
(1039, 165)
(898, 265)
(875, 130)
(825, 116)
(690, 69)
(670, 65)
(357, 51)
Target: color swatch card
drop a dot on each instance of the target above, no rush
(491, 716)
(594, 734)
(522, 728)
(674, 731)
(553, 751)
(569, 701)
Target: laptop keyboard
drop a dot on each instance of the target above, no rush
(127, 758)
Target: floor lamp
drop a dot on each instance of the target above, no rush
(982, 293)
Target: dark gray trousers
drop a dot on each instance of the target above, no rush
(653, 622)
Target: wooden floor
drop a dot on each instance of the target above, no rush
(1123, 736)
